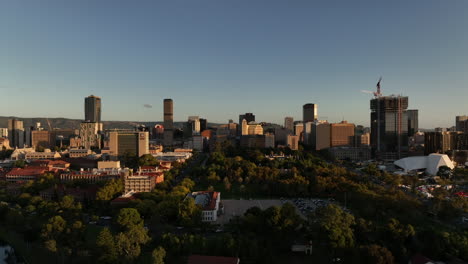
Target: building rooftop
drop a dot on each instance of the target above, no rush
(125, 198)
(28, 171)
(207, 200)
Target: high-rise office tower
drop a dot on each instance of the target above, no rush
(16, 133)
(440, 142)
(27, 136)
(203, 124)
(90, 134)
(244, 127)
(389, 126)
(249, 117)
(461, 123)
(413, 123)
(194, 123)
(298, 131)
(309, 113)
(128, 142)
(289, 123)
(168, 122)
(341, 134)
(93, 109)
(292, 142)
(41, 138)
(317, 134)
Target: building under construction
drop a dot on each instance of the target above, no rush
(389, 126)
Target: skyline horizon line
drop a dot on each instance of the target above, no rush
(217, 123)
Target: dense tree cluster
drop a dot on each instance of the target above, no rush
(371, 219)
(384, 217)
(110, 190)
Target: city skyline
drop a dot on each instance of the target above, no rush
(268, 58)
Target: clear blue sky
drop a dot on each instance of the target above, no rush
(218, 58)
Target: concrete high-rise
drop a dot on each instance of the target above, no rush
(299, 130)
(413, 122)
(292, 142)
(309, 113)
(41, 138)
(16, 133)
(93, 109)
(128, 142)
(90, 134)
(251, 128)
(249, 117)
(289, 123)
(317, 134)
(389, 127)
(341, 134)
(194, 124)
(168, 122)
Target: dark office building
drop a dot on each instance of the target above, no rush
(309, 113)
(442, 142)
(93, 109)
(128, 143)
(413, 123)
(188, 129)
(389, 127)
(249, 117)
(461, 123)
(203, 124)
(168, 122)
(462, 141)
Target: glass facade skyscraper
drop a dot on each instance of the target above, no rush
(309, 113)
(413, 123)
(389, 127)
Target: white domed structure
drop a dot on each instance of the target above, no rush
(430, 163)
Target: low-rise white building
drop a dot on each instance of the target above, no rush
(20, 153)
(42, 155)
(209, 202)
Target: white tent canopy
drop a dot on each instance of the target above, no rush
(431, 163)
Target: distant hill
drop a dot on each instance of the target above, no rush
(66, 123)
